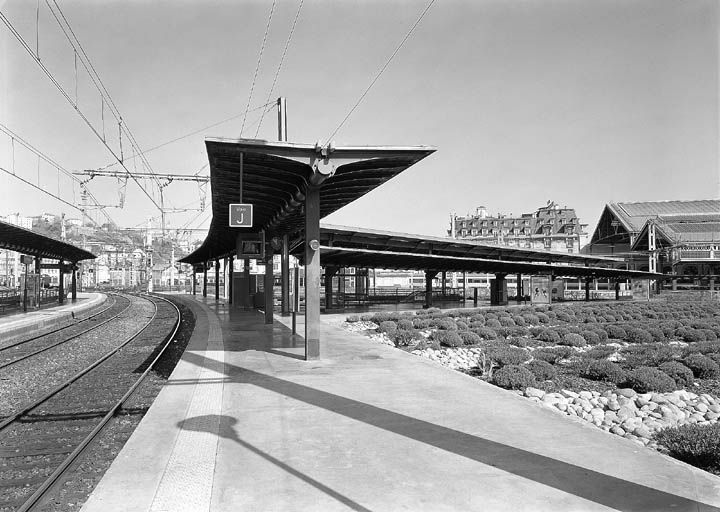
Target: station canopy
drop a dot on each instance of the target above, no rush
(344, 246)
(274, 177)
(31, 243)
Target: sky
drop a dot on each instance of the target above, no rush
(581, 102)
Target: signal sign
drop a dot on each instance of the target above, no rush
(241, 215)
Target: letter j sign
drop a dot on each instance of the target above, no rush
(241, 215)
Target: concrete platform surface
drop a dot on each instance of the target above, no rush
(17, 324)
(245, 424)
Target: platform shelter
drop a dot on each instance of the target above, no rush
(34, 247)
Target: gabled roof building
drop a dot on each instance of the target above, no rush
(672, 237)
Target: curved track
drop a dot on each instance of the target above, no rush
(41, 439)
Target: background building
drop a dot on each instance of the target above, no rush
(549, 227)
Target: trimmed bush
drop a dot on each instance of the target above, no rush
(469, 338)
(657, 334)
(505, 355)
(517, 342)
(647, 355)
(519, 320)
(552, 355)
(599, 352)
(591, 337)
(506, 321)
(421, 323)
(573, 340)
(692, 336)
(461, 326)
(352, 319)
(541, 370)
(681, 374)
(709, 334)
(604, 370)
(531, 318)
(448, 338)
(485, 333)
(423, 344)
(549, 336)
(602, 334)
(637, 335)
(406, 337)
(493, 323)
(513, 377)
(702, 366)
(543, 318)
(615, 331)
(446, 324)
(703, 347)
(698, 445)
(387, 326)
(405, 325)
(646, 379)
(477, 319)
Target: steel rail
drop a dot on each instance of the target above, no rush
(13, 417)
(26, 356)
(20, 342)
(53, 478)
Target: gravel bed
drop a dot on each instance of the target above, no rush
(20, 383)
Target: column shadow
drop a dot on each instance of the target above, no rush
(226, 430)
(576, 480)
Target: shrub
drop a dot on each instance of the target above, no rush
(518, 342)
(681, 374)
(505, 355)
(703, 347)
(519, 320)
(405, 337)
(493, 323)
(657, 334)
(698, 445)
(352, 319)
(513, 377)
(702, 366)
(599, 352)
(549, 336)
(531, 318)
(445, 324)
(564, 317)
(536, 330)
(646, 379)
(709, 334)
(604, 370)
(421, 323)
(469, 338)
(573, 340)
(637, 335)
(366, 318)
(387, 326)
(541, 370)
(602, 334)
(647, 355)
(461, 326)
(615, 331)
(543, 318)
(448, 338)
(485, 333)
(423, 344)
(477, 319)
(506, 321)
(552, 355)
(693, 335)
(591, 337)
(405, 325)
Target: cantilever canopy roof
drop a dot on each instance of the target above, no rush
(28, 242)
(356, 247)
(275, 177)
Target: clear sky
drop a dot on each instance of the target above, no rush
(577, 101)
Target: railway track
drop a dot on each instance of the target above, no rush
(46, 435)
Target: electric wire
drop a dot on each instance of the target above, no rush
(282, 59)
(382, 70)
(257, 66)
(65, 95)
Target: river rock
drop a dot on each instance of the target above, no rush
(626, 392)
(534, 392)
(569, 394)
(625, 412)
(617, 430)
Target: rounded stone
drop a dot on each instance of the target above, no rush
(617, 430)
(626, 392)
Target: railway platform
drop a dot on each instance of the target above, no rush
(245, 424)
(22, 323)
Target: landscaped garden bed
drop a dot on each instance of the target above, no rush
(649, 371)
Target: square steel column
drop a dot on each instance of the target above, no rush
(429, 276)
(204, 278)
(217, 279)
(194, 282)
(285, 276)
(268, 285)
(519, 289)
(73, 284)
(587, 289)
(312, 273)
(230, 269)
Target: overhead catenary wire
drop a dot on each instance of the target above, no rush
(382, 70)
(257, 66)
(282, 59)
(65, 95)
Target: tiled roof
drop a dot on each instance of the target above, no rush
(635, 215)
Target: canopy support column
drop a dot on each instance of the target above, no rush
(230, 277)
(429, 276)
(443, 286)
(73, 284)
(217, 279)
(38, 282)
(587, 289)
(285, 276)
(61, 284)
(268, 285)
(330, 272)
(204, 278)
(617, 289)
(248, 303)
(312, 273)
(519, 289)
(498, 290)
